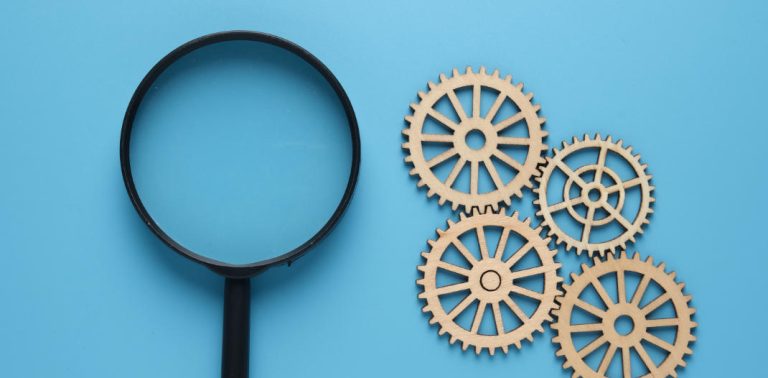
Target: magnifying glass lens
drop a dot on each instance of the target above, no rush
(240, 151)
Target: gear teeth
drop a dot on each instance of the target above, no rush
(431, 86)
(519, 86)
(508, 78)
(409, 119)
(443, 79)
(482, 70)
(609, 139)
(455, 72)
(422, 95)
(405, 146)
(469, 71)
(420, 183)
(495, 74)
(414, 105)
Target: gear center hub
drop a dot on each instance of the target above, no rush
(594, 194)
(490, 280)
(475, 139)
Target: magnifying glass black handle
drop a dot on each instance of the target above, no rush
(237, 328)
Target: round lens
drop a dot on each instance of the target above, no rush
(240, 151)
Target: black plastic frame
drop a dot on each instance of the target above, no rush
(222, 268)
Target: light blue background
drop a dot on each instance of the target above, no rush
(87, 291)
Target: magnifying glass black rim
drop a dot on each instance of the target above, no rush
(226, 269)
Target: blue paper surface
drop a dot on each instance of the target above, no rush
(87, 291)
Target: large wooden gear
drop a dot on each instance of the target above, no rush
(626, 304)
(595, 195)
(490, 281)
(471, 120)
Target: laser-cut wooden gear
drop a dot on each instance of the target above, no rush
(490, 281)
(624, 305)
(475, 158)
(546, 209)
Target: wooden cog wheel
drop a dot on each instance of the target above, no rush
(487, 155)
(628, 307)
(489, 280)
(597, 184)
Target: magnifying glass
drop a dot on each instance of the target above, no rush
(240, 151)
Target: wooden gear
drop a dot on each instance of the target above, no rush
(474, 121)
(623, 306)
(489, 281)
(546, 209)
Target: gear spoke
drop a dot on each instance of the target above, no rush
(626, 185)
(621, 286)
(457, 105)
(656, 303)
(474, 176)
(526, 292)
(586, 327)
(450, 289)
(495, 107)
(640, 290)
(437, 138)
(509, 121)
(453, 268)
(664, 322)
(647, 361)
(461, 306)
(519, 254)
(588, 225)
(455, 172)
(464, 251)
(658, 342)
(563, 205)
(510, 141)
(617, 215)
(600, 289)
(570, 173)
(476, 96)
(508, 160)
(478, 317)
(600, 164)
(626, 362)
(480, 231)
(593, 346)
(443, 119)
(589, 308)
(442, 157)
(541, 269)
(516, 309)
(502, 246)
(493, 173)
(607, 359)
(497, 318)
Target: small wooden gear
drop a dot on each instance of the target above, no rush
(490, 280)
(624, 305)
(455, 139)
(595, 195)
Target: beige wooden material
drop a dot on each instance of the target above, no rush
(546, 208)
(627, 304)
(470, 120)
(489, 281)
